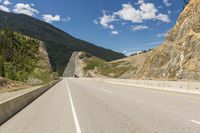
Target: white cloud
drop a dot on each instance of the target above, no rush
(50, 18)
(129, 13)
(67, 19)
(115, 32)
(27, 9)
(105, 21)
(139, 2)
(148, 11)
(162, 35)
(4, 8)
(139, 27)
(129, 52)
(167, 3)
(163, 18)
(6, 2)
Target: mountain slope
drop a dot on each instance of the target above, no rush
(176, 59)
(23, 58)
(83, 64)
(59, 44)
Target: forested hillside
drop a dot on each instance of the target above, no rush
(22, 58)
(59, 44)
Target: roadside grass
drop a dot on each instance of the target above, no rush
(42, 75)
(93, 62)
(111, 71)
(105, 68)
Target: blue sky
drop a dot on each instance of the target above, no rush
(121, 25)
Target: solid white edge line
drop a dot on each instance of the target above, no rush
(196, 122)
(78, 129)
(107, 91)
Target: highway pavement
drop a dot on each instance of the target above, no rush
(80, 106)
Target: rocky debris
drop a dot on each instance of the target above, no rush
(44, 58)
(3, 82)
(33, 81)
(10, 85)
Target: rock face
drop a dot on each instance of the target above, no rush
(44, 58)
(178, 58)
(77, 66)
(43, 70)
(70, 70)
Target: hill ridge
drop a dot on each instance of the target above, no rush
(176, 59)
(60, 45)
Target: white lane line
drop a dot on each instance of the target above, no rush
(78, 129)
(196, 122)
(104, 90)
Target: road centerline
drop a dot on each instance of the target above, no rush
(196, 122)
(78, 129)
(104, 90)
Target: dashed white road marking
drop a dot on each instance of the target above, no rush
(78, 129)
(104, 90)
(196, 122)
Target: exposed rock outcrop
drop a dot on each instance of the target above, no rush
(43, 70)
(177, 59)
(75, 66)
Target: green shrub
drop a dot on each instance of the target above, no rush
(18, 55)
(9, 70)
(94, 62)
(22, 76)
(56, 75)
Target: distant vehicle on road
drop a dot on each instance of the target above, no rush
(76, 76)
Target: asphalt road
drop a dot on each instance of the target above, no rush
(79, 106)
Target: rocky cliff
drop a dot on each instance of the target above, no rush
(42, 72)
(177, 59)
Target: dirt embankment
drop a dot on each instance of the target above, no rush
(9, 85)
